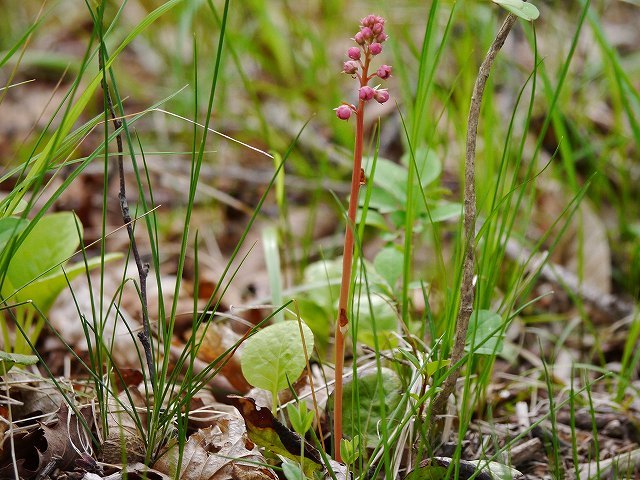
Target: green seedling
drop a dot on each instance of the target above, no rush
(300, 417)
(274, 357)
(350, 449)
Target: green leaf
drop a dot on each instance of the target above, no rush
(44, 291)
(388, 264)
(319, 320)
(366, 411)
(300, 417)
(274, 357)
(427, 164)
(389, 176)
(374, 219)
(524, 10)
(485, 333)
(383, 314)
(382, 200)
(10, 227)
(8, 360)
(445, 211)
(53, 239)
(428, 472)
(324, 278)
(292, 471)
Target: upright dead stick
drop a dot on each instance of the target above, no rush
(143, 268)
(467, 293)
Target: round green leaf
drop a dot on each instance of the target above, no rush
(274, 357)
(389, 264)
(524, 10)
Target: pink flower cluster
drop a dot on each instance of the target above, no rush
(369, 39)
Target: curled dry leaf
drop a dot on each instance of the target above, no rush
(123, 436)
(60, 442)
(219, 338)
(219, 452)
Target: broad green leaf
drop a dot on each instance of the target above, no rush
(292, 471)
(8, 360)
(445, 211)
(427, 164)
(383, 201)
(10, 227)
(44, 291)
(388, 264)
(274, 357)
(51, 241)
(324, 277)
(389, 176)
(319, 319)
(383, 314)
(374, 219)
(524, 10)
(484, 331)
(427, 472)
(367, 411)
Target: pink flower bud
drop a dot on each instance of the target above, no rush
(359, 38)
(381, 96)
(369, 20)
(384, 72)
(343, 112)
(379, 20)
(353, 53)
(375, 48)
(366, 93)
(382, 37)
(367, 34)
(377, 28)
(350, 67)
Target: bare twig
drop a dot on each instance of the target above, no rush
(467, 292)
(143, 268)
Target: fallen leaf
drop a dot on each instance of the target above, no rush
(217, 453)
(123, 438)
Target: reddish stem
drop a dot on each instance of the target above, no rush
(342, 323)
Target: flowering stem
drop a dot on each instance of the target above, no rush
(369, 40)
(342, 323)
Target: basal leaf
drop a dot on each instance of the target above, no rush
(51, 241)
(274, 357)
(379, 314)
(367, 411)
(44, 291)
(388, 264)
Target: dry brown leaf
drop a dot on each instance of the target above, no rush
(219, 338)
(123, 437)
(60, 442)
(217, 453)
